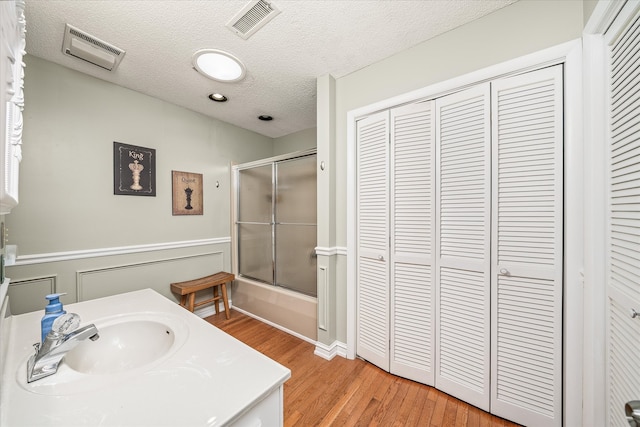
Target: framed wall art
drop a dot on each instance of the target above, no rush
(186, 193)
(134, 170)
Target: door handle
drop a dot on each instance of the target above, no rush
(632, 411)
(380, 258)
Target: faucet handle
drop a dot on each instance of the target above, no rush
(66, 323)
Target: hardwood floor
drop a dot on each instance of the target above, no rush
(344, 392)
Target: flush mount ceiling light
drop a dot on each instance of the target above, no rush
(218, 97)
(218, 65)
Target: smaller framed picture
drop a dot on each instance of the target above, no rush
(134, 170)
(186, 193)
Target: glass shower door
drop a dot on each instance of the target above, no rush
(255, 219)
(295, 225)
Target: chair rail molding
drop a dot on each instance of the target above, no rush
(120, 250)
(331, 251)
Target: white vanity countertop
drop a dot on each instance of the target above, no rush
(209, 378)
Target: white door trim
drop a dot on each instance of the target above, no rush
(594, 408)
(570, 54)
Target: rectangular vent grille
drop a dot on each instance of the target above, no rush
(255, 15)
(94, 41)
(81, 45)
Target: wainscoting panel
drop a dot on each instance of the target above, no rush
(29, 295)
(323, 298)
(157, 275)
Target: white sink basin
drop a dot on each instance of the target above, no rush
(122, 346)
(128, 345)
(195, 365)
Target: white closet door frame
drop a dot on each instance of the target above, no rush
(373, 240)
(569, 53)
(595, 408)
(463, 249)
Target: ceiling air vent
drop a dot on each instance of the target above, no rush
(252, 17)
(83, 46)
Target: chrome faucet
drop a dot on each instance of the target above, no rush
(58, 342)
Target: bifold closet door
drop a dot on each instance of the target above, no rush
(526, 344)
(372, 341)
(623, 216)
(412, 288)
(463, 204)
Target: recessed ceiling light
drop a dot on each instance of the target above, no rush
(218, 65)
(218, 97)
(265, 118)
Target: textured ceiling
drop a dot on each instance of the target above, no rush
(306, 40)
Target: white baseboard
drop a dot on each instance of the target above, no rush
(275, 325)
(328, 352)
(210, 310)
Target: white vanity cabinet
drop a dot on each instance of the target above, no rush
(205, 377)
(12, 45)
(268, 412)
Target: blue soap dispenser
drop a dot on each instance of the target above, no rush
(52, 311)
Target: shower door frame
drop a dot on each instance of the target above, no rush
(235, 212)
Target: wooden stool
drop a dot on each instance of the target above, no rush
(190, 287)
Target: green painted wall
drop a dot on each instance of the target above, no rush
(588, 6)
(297, 141)
(66, 176)
(71, 121)
(524, 27)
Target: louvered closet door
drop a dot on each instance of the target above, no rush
(526, 343)
(412, 243)
(373, 239)
(463, 245)
(623, 281)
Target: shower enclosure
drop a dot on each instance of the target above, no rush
(276, 222)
